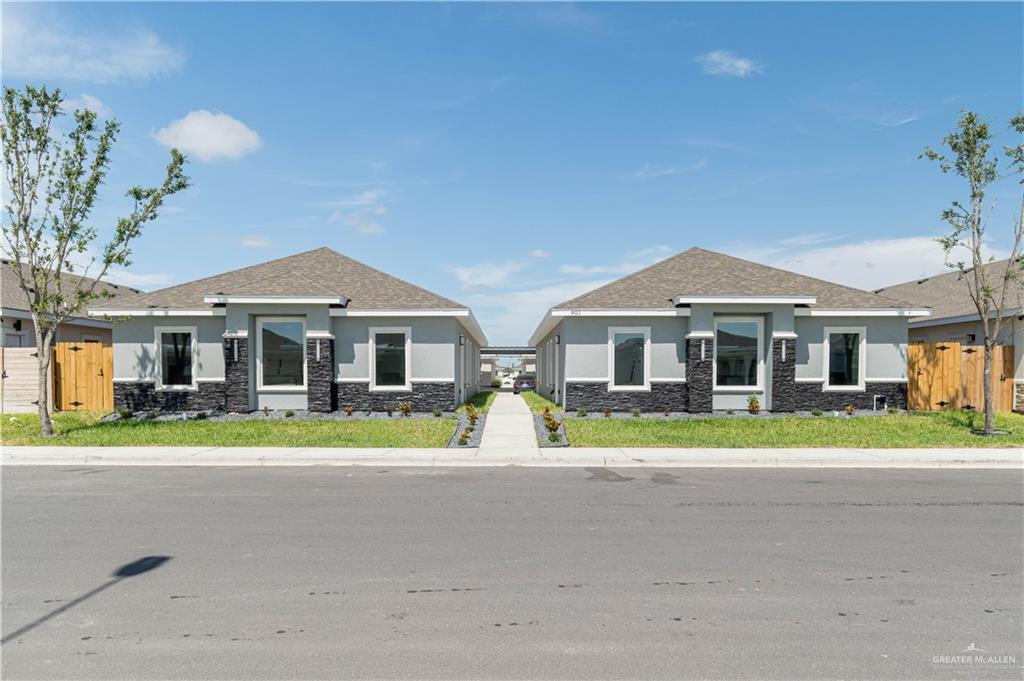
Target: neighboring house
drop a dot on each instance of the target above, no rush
(316, 331)
(20, 364)
(703, 331)
(955, 318)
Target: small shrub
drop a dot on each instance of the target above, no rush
(496, 383)
(667, 412)
(551, 423)
(153, 413)
(892, 410)
(289, 413)
(437, 413)
(125, 412)
(848, 409)
(553, 437)
(389, 410)
(547, 410)
(730, 412)
(581, 412)
(815, 412)
(472, 414)
(607, 413)
(464, 436)
(201, 416)
(635, 412)
(347, 409)
(753, 404)
(405, 408)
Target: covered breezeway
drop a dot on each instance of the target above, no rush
(503, 362)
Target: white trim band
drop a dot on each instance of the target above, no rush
(744, 300)
(277, 300)
(886, 312)
(160, 312)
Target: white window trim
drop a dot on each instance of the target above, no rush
(861, 362)
(157, 333)
(374, 330)
(259, 357)
(646, 331)
(759, 388)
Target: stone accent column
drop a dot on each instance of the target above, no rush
(784, 388)
(320, 374)
(698, 373)
(236, 374)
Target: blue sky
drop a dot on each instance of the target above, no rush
(512, 156)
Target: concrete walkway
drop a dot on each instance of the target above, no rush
(509, 428)
(526, 456)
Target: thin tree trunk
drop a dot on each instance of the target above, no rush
(987, 388)
(45, 424)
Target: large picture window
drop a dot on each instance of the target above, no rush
(175, 347)
(844, 358)
(282, 353)
(738, 353)
(390, 352)
(629, 360)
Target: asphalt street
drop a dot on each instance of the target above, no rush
(503, 573)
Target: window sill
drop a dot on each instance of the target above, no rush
(629, 388)
(177, 388)
(738, 389)
(843, 388)
(390, 388)
(281, 389)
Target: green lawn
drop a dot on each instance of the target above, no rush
(936, 429)
(537, 403)
(482, 401)
(83, 429)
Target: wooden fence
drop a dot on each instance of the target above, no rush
(83, 376)
(951, 376)
(19, 388)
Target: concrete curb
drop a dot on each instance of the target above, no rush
(1012, 459)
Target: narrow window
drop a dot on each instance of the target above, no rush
(844, 359)
(736, 353)
(628, 358)
(176, 358)
(283, 352)
(389, 359)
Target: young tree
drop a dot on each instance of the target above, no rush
(52, 181)
(995, 291)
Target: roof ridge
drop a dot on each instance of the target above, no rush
(391, 276)
(628, 276)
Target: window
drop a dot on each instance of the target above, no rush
(844, 358)
(176, 358)
(390, 367)
(281, 353)
(629, 360)
(738, 364)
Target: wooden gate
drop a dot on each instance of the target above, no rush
(951, 376)
(83, 376)
(19, 389)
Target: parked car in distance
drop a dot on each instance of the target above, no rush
(524, 382)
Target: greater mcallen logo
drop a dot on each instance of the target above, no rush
(973, 654)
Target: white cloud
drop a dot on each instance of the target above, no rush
(138, 280)
(864, 264)
(631, 262)
(484, 275)
(648, 171)
(540, 253)
(210, 136)
(255, 241)
(510, 317)
(73, 104)
(725, 63)
(361, 211)
(39, 46)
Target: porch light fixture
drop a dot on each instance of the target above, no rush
(558, 339)
(462, 339)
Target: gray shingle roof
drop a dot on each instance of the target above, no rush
(700, 272)
(947, 293)
(12, 297)
(320, 272)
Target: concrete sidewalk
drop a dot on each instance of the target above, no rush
(527, 456)
(508, 430)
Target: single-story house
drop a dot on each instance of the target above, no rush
(20, 365)
(316, 330)
(954, 318)
(703, 331)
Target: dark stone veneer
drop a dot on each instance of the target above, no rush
(145, 397)
(596, 397)
(320, 392)
(699, 374)
(788, 395)
(236, 375)
(423, 396)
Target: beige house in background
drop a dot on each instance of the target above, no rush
(20, 387)
(954, 317)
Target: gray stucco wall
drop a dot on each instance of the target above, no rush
(135, 346)
(434, 345)
(886, 352)
(586, 345)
